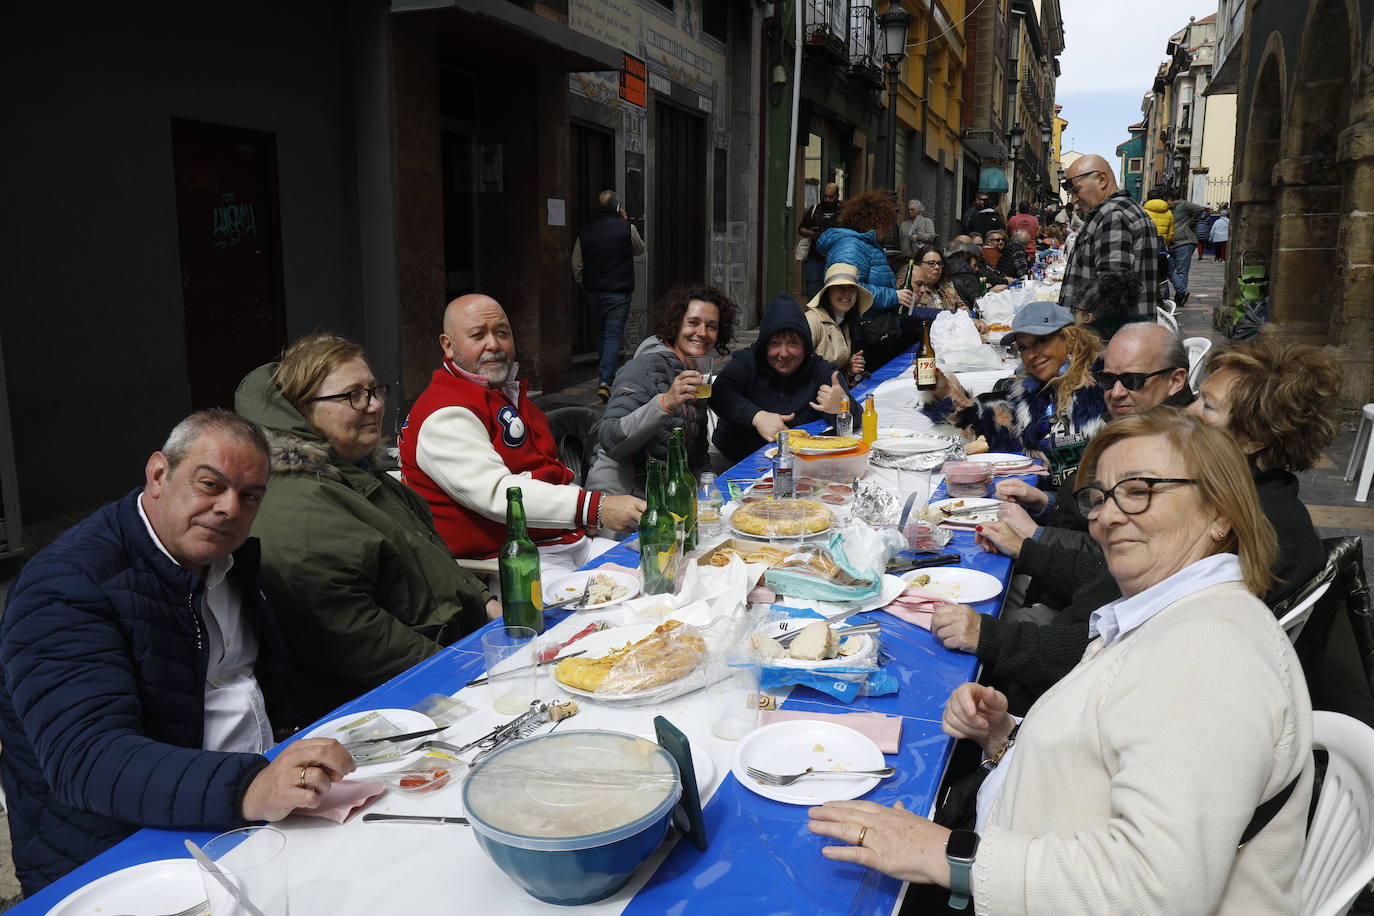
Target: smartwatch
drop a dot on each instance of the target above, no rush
(960, 850)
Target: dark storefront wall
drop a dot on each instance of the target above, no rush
(93, 320)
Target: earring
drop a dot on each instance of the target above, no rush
(1218, 535)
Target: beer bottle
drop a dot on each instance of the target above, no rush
(680, 489)
(925, 361)
(522, 601)
(908, 283)
(870, 420)
(657, 536)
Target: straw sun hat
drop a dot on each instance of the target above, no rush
(843, 275)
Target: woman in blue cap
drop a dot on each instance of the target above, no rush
(1053, 411)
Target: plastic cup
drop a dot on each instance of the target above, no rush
(252, 866)
(706, 365)
(732, 695)
(511, 654)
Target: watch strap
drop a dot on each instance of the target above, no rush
(961, 876)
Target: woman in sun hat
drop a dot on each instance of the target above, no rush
(832, 315)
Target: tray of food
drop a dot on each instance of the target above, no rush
(636, 662)
(782, 518)
(804, 443)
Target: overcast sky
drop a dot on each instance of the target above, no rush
(1111, 51)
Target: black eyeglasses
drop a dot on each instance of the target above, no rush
(359, 399)
(1131, 381)
(1132, 495)
(1068, 182)
(932, 263)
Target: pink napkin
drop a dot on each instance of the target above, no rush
(616, 567)
(884, 731)
(344, 799)
(916, 605)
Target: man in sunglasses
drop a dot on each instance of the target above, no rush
(1117, 234)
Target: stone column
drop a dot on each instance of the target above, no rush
(1305, 267)
(1352, 313)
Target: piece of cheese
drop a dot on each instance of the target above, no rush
(767, 646)
(817, 641)
(850, 645)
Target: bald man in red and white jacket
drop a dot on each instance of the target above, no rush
(473, 433)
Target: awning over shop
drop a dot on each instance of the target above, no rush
(992, 180)
(517, 32)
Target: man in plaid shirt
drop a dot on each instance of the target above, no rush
(1117, 234)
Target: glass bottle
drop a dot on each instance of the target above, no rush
(783, 485)
(522, 600)
(925, 361)
(658, 544)
(680, 489)
(870, 420)
(844, 419)
(709, 502)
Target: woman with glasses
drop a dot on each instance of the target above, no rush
(362, 584)
(1053, 411)
(1171, 770)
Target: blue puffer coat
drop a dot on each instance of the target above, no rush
(861, 249)
(102, 703)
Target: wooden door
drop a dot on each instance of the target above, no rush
(593, 171)
(677, 244)
(228, 229)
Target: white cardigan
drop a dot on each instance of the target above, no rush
(1136, 774)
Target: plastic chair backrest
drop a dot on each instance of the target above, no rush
(1166, 318)
(1297, 618)
(1197, 358)
(1338, 858)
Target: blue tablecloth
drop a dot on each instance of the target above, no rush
(761, 858)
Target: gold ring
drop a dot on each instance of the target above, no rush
(862, 833)
(302, 783)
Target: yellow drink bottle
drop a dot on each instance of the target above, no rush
(870, 420)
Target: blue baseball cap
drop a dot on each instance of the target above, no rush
(1038, 318)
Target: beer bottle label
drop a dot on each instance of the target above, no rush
(925, 370)
(537, 594)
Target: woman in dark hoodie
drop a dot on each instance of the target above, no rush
(777, 383)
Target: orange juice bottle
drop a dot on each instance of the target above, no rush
(870, 420)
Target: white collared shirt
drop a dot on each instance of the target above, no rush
(1113, 621)
(235, 713)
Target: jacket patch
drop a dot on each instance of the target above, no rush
(512, 427)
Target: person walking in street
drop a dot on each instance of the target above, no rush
(1221, 233)
(1186, 214)
(823, 215)
(1117, 234)
(603, 263)
(971, 211)
(986, 219)
(1025, 221)
(917, 229)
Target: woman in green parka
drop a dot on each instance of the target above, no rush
(362, 584)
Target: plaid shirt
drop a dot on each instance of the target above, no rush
(1117, 235)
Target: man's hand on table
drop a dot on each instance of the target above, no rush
(957, 626)
(493, 609)
(769, 424)
(298, 778)
(1018, 491)
(998, 537)
(828, 397)
(621, 513)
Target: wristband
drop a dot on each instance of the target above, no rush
(663, 402)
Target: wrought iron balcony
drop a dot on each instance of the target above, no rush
(865, 58)
(826, 25)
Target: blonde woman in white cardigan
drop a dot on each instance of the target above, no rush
(1131, 782)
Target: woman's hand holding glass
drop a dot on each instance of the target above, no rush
(683, 389)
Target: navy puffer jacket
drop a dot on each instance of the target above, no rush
(102, 702)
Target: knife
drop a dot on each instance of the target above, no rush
(406, 737)
(943, 559)
(414, 819)
(841, 632)
(968, 510)
(478, 682)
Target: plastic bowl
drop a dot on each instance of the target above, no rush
(530, 805)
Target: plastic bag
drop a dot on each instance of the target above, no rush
(952, 331)
(827, 574)
(844, 677)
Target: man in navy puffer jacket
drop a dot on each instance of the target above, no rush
(140, 661)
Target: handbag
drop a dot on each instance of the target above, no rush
(958, 809)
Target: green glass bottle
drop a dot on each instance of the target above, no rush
(522, 599)
(680, 489)
(657, 536)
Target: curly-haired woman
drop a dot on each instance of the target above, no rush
(1054, 411)
(864, 221)
(657, 390)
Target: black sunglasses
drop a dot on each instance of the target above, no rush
(1131, 381)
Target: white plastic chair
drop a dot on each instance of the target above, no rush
(1338, 858)
(1197, 357)
(1364, 446)
(1166, 318)
(1169, 306)
(1296, 619)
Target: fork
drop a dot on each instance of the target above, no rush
(198, 909)
(395, 754)
(786, 779)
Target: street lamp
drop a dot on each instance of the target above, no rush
(894, 24)
(1016, 136)
(1046, 134)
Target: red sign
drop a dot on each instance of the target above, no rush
(632, 76)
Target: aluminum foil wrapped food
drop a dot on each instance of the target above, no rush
(875, 504)
(916, 454)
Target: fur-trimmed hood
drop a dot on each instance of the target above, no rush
(297, 447)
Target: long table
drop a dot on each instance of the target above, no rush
(760, 859)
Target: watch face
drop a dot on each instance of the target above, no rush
(962, 844)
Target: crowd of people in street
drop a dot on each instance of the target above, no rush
(154, 651)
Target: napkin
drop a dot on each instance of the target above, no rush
(616, 567)
(884, 731)
(916, 605)
(344, 799)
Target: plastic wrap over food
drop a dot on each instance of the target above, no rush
(826, 573)
(820, 656)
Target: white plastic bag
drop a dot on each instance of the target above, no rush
(954, 330)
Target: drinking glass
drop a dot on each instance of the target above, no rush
(706, 365)
(510, 653)
(251, 863)
(732, 694)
